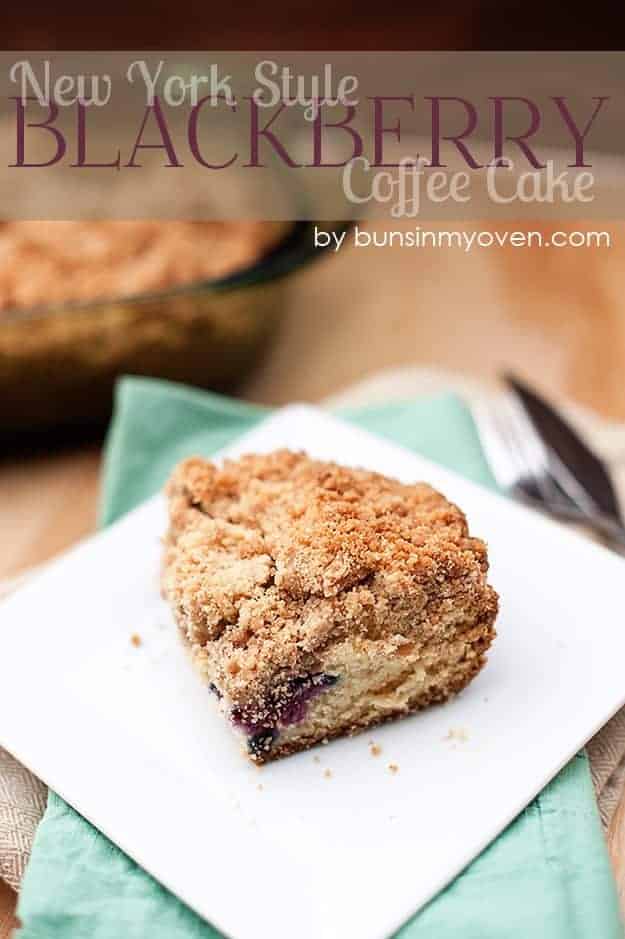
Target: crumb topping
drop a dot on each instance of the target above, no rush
(271, 558)
(52, 262)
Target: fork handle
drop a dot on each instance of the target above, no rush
(610, 532)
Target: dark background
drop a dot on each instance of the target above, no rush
(325, 25)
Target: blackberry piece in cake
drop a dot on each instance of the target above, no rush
(319, 600)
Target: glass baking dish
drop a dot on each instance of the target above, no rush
(58, 365)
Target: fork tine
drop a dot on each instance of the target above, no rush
(532, 454)
(499, 457)
(521, 465)
(515, 452)
(560, 487)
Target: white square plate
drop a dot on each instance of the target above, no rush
(133, 741)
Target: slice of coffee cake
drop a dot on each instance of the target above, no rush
(319, 600)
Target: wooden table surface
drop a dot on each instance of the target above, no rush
(557, 316)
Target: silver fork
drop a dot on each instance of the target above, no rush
(525, 470)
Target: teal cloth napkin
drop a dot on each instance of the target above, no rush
(546, 877)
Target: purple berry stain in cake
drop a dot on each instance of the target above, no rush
(262, 741)
(304, 690)
(290, 707)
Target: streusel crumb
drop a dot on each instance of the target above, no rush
(319, 600)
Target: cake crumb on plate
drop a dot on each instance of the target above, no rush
(136, 640)
(393, 767)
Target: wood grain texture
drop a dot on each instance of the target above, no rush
(7, 905)
(46, 503)
(557, 316)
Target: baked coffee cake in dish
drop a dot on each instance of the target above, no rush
(319, 600)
